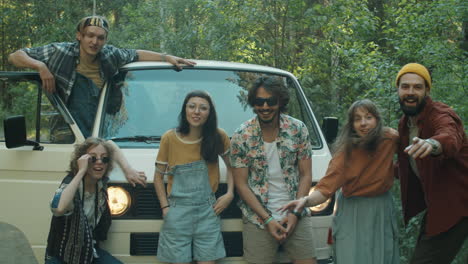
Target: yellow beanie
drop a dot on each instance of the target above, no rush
(417, 69)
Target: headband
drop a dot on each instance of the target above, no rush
(96, 21)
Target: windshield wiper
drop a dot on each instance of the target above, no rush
(146, 139)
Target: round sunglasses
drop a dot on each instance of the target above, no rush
(104, 160)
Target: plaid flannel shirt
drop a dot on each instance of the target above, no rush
(62, 58)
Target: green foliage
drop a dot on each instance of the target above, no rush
(340, 50)
(19, 98)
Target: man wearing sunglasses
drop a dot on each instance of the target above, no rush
(271, 160)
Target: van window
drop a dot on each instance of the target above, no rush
(19, 96)
(149, 102)
(54, 129)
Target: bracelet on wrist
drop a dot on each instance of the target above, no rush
(165, 206)
(305, 200)
(265, 218)
(268, 220)
(434, 144)
(297, 214)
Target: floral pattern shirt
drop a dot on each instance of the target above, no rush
(248, 151)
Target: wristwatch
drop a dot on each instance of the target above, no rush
(434, 144)
(297, 214)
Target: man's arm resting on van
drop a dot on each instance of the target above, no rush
(21, 59)
(240, 176)
(146, 55)
(62, 203)
(223, 202)
(133, 176)
(159, 187)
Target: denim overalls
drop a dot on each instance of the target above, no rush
(191, 229)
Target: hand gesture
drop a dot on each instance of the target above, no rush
(83, 162)
(276, 230)
(296, 205)
(48, 80)
(419, 149)
(290, 221)
(222, 203)
(135, 177)
(165, 211)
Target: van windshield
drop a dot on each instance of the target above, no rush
(142, 104)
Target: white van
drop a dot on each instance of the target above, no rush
(141, 103)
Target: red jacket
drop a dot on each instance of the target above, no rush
(443, 188)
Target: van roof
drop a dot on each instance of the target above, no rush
(209, 64)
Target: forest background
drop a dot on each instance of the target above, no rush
(340, 50)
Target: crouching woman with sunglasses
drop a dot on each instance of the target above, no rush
(81, 215)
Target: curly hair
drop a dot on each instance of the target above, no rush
(273, 85)
(81, 149)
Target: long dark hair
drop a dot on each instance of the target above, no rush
(348, 139)
(212, 144)
(81, 149)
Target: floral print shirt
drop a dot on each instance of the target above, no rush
(248, 151)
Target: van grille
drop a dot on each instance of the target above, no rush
(145, 203)
(146, 244)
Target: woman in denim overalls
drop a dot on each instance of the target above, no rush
(189, 156)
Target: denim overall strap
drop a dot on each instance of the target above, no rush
(190, 184)
(83, 103)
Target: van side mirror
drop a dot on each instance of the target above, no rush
(15, 133)
(330, 128)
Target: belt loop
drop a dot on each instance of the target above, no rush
(212, 199)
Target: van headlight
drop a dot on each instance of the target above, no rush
(119, 200)
(320, 207)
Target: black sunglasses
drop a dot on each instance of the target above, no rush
(271, 101)
(104, 160)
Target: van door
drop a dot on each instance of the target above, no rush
(28, 178)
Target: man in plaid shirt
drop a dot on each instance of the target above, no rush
(77, 71)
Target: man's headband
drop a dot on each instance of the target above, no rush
(97, 21)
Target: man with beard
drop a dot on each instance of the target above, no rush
(433, 168)
(271, 161)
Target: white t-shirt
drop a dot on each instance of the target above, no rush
(277, 192)
(88, 208)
